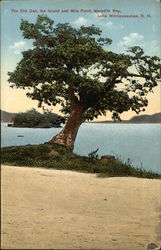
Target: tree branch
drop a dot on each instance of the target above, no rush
(73, 99)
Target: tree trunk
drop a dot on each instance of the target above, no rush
(67, 136)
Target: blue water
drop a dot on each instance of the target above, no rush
(139, 142)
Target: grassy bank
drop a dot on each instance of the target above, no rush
(57, 157)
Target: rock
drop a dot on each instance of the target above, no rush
(53, 153)
(152, 246)
(10, 125)
(107, 158)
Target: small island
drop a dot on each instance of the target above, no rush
(34, 119)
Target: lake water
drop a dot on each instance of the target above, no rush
(139, 142)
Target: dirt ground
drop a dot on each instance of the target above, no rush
(53, 209)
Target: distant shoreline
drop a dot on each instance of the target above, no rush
(97, 122)
(125, 122)
(6, 117)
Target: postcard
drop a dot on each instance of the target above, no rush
(80, 124)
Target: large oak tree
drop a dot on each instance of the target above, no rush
(73, 68)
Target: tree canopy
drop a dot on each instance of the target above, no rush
(72, 67)
(34, 119)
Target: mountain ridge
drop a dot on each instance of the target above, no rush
(154, 118)
(6, 116)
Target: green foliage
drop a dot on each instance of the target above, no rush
(58, 157)
(69, 66)
(34, 119)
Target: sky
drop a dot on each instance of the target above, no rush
(143, 30)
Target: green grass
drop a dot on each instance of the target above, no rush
(58, 157)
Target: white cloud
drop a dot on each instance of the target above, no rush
(80, 21)
(98, 22)
(113, 26)
(154, 43)
(17, 47)
(153, 48)
(109, 24)
(132, 39)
